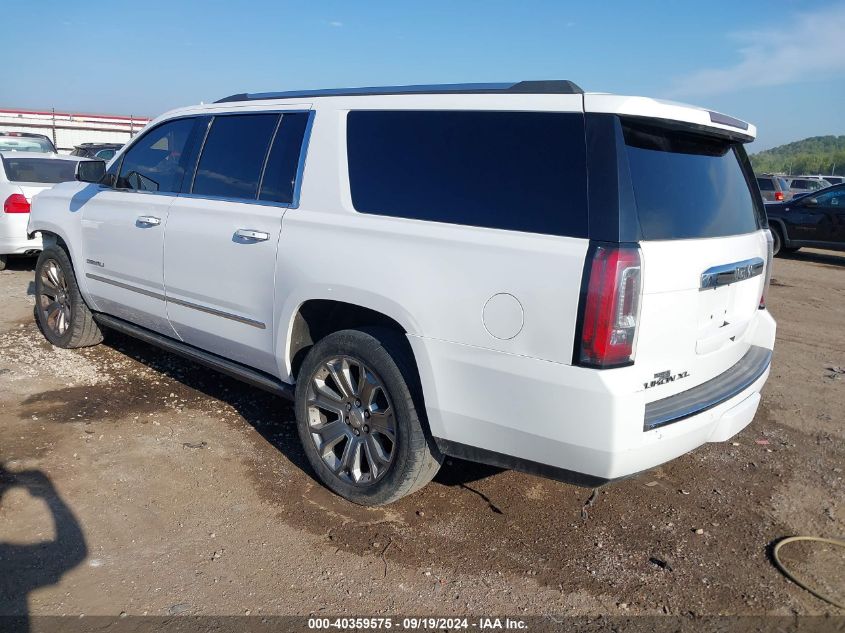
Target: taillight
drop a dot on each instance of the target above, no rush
(768, 273)
(610, 307)
(779, 196)
(16, 203)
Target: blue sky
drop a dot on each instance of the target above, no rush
(779, 64)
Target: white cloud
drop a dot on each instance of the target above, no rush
(336, 23)
(809, 45)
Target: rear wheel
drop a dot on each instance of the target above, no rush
(60, 309)
(360, 417)
(3, 260)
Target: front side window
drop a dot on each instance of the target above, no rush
(832, 199)
(519, 171)
(233, 156)
(154, 162)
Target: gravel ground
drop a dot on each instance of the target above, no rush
(134, 482)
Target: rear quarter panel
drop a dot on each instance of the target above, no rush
(433, 278)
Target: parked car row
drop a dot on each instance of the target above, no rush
(779, 188)
(815, 219)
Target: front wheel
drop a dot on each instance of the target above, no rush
(60, 309)
(3, 260)
(360, 417)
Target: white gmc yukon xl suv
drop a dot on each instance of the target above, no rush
(525, 275)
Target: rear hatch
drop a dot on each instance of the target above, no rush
(703, 253)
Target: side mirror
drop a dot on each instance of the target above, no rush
(90, 170)
(810, 202)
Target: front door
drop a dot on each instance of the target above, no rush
(123, 227)
(832, 205)
(222, 236)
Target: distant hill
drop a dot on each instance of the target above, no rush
(814, 155)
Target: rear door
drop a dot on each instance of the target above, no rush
(223, 232)
(703, 254)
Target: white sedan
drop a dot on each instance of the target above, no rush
(22, 175)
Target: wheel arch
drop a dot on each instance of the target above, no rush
(314, 319)
(779, 225)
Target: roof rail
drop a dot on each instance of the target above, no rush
(559, 86)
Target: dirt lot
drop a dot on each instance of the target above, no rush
(174, 490)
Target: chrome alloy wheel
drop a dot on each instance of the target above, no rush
(54, 299)
(351, 420)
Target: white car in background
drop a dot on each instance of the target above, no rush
(22, 175)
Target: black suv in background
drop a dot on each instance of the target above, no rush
(103, 151)
(816, 219)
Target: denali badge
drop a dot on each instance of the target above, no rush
(661, 378)
(94, 262)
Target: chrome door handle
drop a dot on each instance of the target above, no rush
(254, 236)
(148, 220)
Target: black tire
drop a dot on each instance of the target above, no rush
(80, 329)
(777, 241)
(415, 458)
(3, 260)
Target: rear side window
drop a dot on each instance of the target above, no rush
(39, 169)
(280, 174)
(766, 184)
(521, 171)
(687, 185)
(233, 155)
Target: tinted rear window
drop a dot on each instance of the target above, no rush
(233, 155)
(766, 184)
(687, 185)
(44, 170)
(522, 171)
(280, 172)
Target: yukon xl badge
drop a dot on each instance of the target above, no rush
(661, 378)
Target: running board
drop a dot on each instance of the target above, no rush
(243, 373)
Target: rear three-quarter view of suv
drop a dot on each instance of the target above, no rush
(525, 275)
